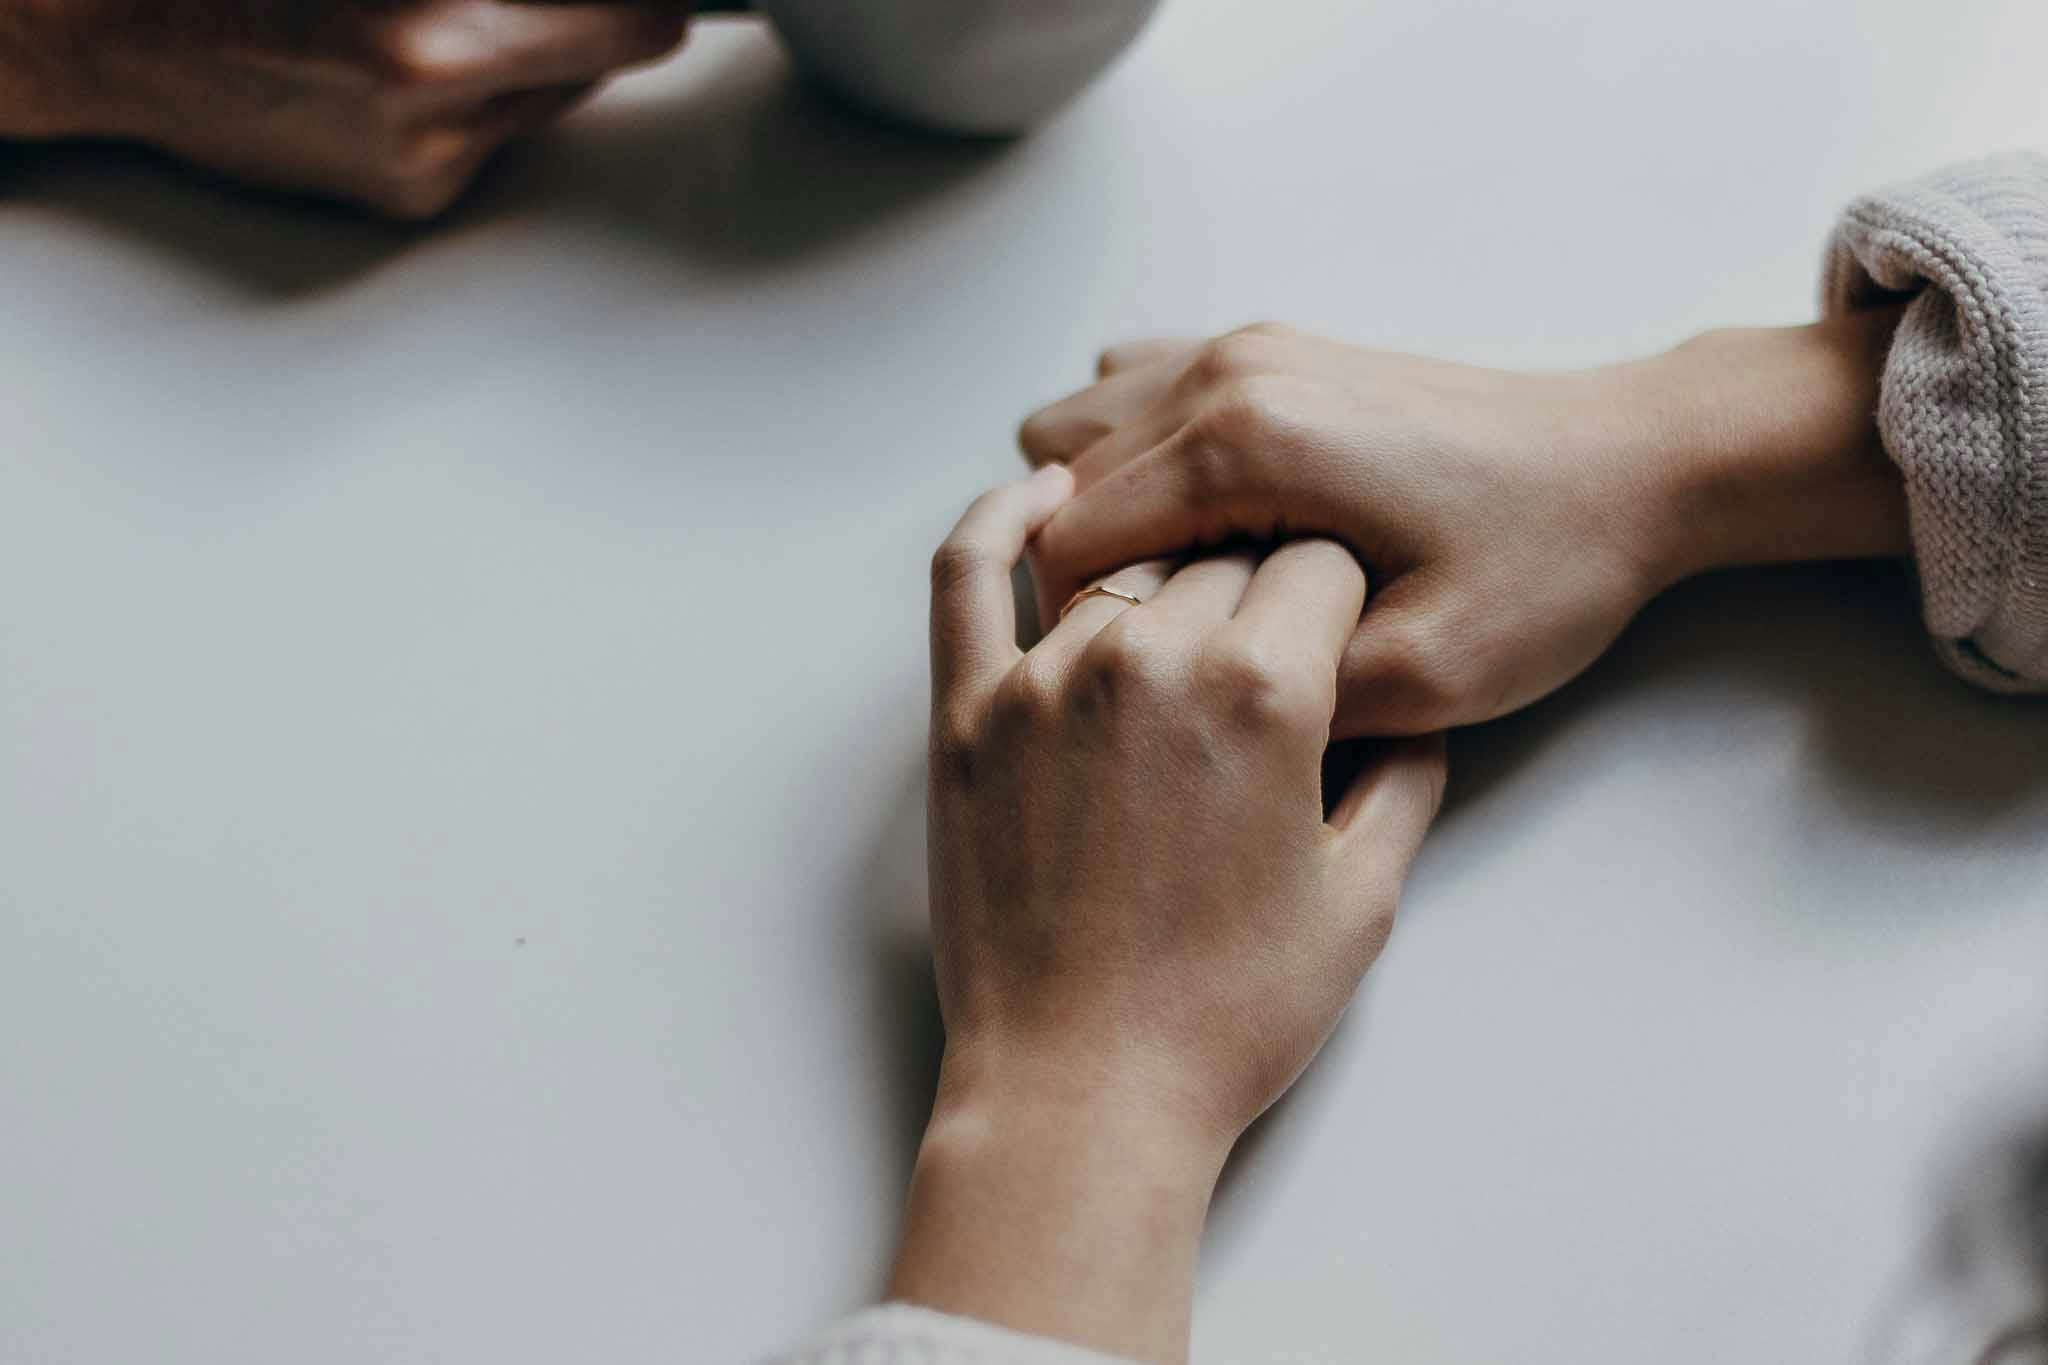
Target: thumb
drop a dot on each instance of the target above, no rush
(1388, 806)
(1400, 672)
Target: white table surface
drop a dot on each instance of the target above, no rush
(461, 698)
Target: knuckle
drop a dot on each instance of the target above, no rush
(1120, 660)
(1241, 667)
(1033, 438)
(1255, 687)
(1232, 356)
(1215, 471)
(1411, 671)
(1030, 695)
(1269, 331)
(1398, 657)
(955, 743)
(1249, 410)
(1048, 435)
(954, 563)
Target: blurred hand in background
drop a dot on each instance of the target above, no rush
(391, 104)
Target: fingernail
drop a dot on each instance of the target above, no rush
(1051, 474)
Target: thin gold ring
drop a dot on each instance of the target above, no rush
(1099, 591)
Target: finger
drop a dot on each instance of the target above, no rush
(480, 47)
(1131, 355)
(1165, 501)
(1303, 604)
(438, 164)
(1086, 617)
(1063, 430)
(1400, 673)
(1380, 820)
(974, 615)
(515, 113)
(443, 155)
(1203, 594)
(554, 44)
(1153, 426)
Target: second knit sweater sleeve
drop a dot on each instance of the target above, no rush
(1964, 405)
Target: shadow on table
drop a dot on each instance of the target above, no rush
(270, 246)
(1896, 741)
(1976, 1292)
(892, 928)
(1274, 1139)
(746, 169)
(750, 169)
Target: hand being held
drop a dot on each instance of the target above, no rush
(1507, 538)
(1513, 523)
(392, 104)
(1144, 927)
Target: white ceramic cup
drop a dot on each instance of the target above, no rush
(983, 67)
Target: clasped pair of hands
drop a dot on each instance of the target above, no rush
(1147, 912)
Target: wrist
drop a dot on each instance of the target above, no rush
(1053, 1204)
(1760, 446)
(1096, 1085)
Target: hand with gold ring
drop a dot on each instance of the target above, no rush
(1144, 923)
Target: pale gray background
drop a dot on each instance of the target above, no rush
(461, 697)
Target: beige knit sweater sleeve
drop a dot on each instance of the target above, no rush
(1964, 405)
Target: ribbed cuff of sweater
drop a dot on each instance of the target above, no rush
(899, 1334)
(1964, 405)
